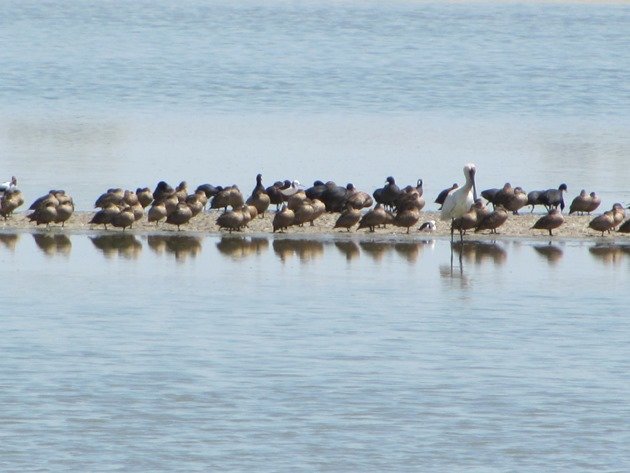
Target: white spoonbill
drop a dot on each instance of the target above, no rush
(459, 200)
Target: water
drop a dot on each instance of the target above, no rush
(183, 353)
(192, 353)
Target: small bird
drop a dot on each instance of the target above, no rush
(550, 221)
(428, 227)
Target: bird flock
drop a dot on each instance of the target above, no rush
(297, 205)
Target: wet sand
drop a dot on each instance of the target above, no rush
(517, 226)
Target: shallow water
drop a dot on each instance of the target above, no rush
(189, 353)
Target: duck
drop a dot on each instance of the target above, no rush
(283, 219)
(259, 197)
(209, 190)
(233, 219)
(442, 195)
(156, 213)
(11, 199)
(304, 213)
(387, 194)
(317, 190)
(162, 190)
(145, 196)
(196, 205)
(549, 222)
(45, 214)
(111, 196)
(624, 227)
(410, 197)
(373, 218)
(123, 219)
(334, 197)
(357, 199)
(553, 197)
(180, 216)
(407, 218)
(65, 209)
(533, 199)
(105, 215)
(275, 195)
(595, 203)
(468, 221)
(348, 218)
(181, 191)
(580, 203)
(493, 220)
(490, 194)
(516, 201)
(608, 220)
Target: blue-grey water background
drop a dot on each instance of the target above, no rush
(183, 354)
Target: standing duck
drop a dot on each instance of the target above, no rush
(348, 218)
(553, 197)
(373, 218)
(493, 220)
(608, 220)
(283, 219)
(550, 221)
(580, 203)
(180, 216)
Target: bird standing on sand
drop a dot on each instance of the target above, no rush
(550, 221)
(459, 200)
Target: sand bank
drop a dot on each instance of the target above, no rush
(517, 226)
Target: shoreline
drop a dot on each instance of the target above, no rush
(517, 227)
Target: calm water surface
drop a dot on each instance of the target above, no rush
(190, 353)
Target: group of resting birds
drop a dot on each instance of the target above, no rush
(297, 205)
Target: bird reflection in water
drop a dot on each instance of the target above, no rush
(53, 244)
(181, 246)
(552, 253)
(609, 253)
(348, 248)
(122, 245)
(237, 247)
(376, 249)
(411, 250)
(479, 251)
(9, 240)
(305, 250)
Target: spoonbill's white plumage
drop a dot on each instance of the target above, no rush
(459, 200)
